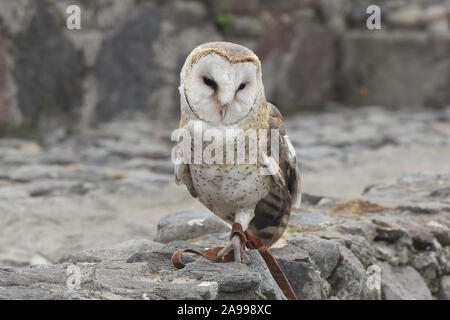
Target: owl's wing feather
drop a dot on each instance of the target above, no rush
(287, 170)
(273, 211)
(285, 173)
(292, 174)
(183, 174)
(273, 169)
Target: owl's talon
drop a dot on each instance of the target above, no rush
(233, 245)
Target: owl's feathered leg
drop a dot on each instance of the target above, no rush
(238, 239)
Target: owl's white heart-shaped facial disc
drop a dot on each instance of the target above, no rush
(220, 92)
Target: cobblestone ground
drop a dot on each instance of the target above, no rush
(112, 184)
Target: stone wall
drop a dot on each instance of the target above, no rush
(127, 56)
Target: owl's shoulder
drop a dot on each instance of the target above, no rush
(184, 120)
(275, 119)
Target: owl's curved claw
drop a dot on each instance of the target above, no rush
(234, 245)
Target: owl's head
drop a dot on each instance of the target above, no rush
(221, 82)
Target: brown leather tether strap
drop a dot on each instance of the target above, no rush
(272, 264)
(277, 273)
(252, 242)
(210, 254)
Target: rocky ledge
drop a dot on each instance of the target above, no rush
(392, 243)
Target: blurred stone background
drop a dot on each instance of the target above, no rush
(85, 123)
(127, 56)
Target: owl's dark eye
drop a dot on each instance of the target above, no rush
(242, 86)
(210, 83)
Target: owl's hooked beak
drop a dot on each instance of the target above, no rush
(223, 111)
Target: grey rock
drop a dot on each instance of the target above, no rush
(442, 235)
(435, 18)
(422, 235)
(441, 193)
(333, 13)
(281, 6)
(413, 177)
(406, 17)
(58, 157)
(44, 187)
(349, 279)
(362, 228)
(131, 281)
(187, 14)
(128, 149)
(324, 253)
(48, 72)
(120, 251)
(13, 192)
(34, 172)
(213, 239)
(160, 166)
(235, 280)
(127, 81)
(105, 274)
(247, 26)
(411, 193)
(367, 76)
(395, 255)
(403, 283)
(14, 14)
(310, 198)
(307, 72)
(269, 288)
(302, 273)
(310, 219)
(246, 7)
(6, 113)
(429, 265)
(160, 259)
(19, 257)
(444, 289)
(33, 283)
(312, 153)
(363, 250)
(390, 235)
(188, 225)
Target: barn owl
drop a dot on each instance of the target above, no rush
(221, 88)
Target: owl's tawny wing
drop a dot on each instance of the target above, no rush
(272, 213)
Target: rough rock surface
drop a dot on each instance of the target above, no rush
(186, 225)
(444, 292)
(354, 255)
(312, 53)
(403, 283)
(139, 269)
(368, 58)
(132, 77)
(5, 108)
(48, 71)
